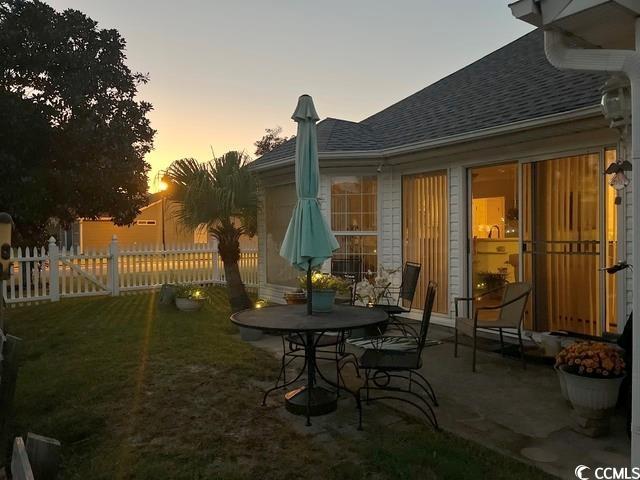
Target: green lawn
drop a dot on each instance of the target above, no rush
(138, 391)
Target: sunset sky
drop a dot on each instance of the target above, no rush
(223, 71)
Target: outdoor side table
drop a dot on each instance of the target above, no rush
(311, 399)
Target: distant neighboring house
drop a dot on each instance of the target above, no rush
(494, 173)
(148, 229)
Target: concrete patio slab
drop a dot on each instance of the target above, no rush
(517, 412)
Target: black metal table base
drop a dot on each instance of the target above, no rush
(312, 402)
(321, 401)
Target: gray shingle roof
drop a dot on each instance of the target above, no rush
(514, 83)
(333, 135)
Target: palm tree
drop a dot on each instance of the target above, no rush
(222, 196)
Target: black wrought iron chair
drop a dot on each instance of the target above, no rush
(395, 374)
(509, 313)
(406, 293)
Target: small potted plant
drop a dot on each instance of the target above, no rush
(325, 287)
(296, 298)
(491, 282)
(593, 373)
(190, 298)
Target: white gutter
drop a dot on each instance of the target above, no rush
(627, 62)
(572, 115)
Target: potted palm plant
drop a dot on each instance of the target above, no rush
(325, 287)
(592, 373)
(190, 298)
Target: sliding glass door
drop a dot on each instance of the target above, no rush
(570, 233)
(567, 233)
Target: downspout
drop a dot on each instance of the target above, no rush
(628, 62)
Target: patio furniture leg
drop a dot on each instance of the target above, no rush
(524, 361)
(455, 342)
(501, 343)
(286, 384)
(359, 407)
(366, 383)
(475, 344)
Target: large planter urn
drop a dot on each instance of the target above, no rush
(322, 300)
(563, 384)
(189, 304)
(593, 400)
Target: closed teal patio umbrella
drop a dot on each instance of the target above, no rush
(308, 241)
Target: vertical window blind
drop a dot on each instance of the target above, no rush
(425, 233)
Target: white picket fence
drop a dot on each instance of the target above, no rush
(40, 274)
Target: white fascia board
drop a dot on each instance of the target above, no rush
(377, 155)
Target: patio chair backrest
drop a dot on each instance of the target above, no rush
(426, 314)
(514, 300)
(410, 276)
(352, 288)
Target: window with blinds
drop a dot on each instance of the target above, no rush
(425, 233)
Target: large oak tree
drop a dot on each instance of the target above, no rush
(73, 134)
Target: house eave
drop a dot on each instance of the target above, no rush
(389, 153)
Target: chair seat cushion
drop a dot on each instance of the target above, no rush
(389, 360)
(324, 341)
(392, 309)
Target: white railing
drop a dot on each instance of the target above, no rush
(41, 274)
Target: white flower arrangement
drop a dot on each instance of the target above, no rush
(374, 288)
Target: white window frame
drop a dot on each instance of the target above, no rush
(360, 233)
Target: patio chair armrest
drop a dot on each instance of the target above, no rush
(495, 307)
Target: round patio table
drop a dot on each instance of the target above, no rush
(311, 399)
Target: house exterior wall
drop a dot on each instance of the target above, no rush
(95, 235)
(547, 143)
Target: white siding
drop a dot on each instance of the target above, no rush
(390, 219)
(457, 234)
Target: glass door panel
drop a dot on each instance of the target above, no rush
(561, 200)
(494, 230)
(611, 239)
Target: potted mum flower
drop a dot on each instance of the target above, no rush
(325, 286)
(593, 373)
(190, 298)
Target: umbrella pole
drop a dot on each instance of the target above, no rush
(309, 299)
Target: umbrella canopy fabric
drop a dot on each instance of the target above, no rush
(308, 241)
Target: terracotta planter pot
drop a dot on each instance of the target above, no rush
(189, 304)
(296, 298)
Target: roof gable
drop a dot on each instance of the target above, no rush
(514, 83)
